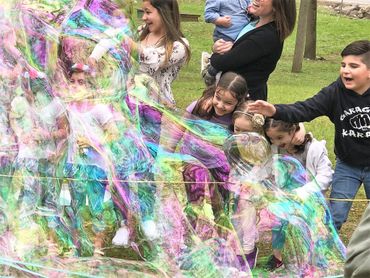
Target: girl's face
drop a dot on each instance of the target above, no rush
(261, 8)
(355, 74)
(243, 124)
(223, 102)
(152, 18)
(282, 139)
(78, 81)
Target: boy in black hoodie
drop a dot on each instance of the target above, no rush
(347, 104)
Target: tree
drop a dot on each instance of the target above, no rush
(301, 36)
(310, 47)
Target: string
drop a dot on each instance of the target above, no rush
(168, 182)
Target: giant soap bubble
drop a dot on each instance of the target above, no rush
(101, 176)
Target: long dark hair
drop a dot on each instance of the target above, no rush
(170, 14)
(229, 81)
(285, 16)
(286, 127)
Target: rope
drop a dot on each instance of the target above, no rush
(161, 181)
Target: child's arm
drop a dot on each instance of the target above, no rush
(107, 43)
(62, 131)
(319, 164)
(319, 168)
(172, 131)
(171, 134)
(262, 107)
(111, 133)
(224, 21)
(211, 10)
(302, 111)
(212, 14)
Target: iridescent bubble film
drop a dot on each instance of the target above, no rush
(101, 176)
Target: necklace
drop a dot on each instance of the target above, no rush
(148, 43)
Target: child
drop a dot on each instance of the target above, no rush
(244, 218)
(38, 120)
(229, 17)
(92, 126)
(225, 97)
(313, 155)
(244, 121)
(162, 50)
(346, 102)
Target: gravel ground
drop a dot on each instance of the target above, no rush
(360, 2)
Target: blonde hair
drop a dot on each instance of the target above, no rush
(257, 120)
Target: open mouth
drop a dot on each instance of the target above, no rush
(347, 79)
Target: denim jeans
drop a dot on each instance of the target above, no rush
(346, 182)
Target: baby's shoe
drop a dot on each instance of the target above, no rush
(150, 229)
(122, 236)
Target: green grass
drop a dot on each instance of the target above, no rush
(333, 34)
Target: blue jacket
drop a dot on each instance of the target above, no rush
(237, 9)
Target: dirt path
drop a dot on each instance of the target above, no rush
(359, 2)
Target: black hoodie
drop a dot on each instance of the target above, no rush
(350, 113)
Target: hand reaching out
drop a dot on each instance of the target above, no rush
(262, 107)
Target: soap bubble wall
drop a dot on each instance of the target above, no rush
(101, 176)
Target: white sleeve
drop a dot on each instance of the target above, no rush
(319, 166)
(58, 107)
(102, 47)
(107, 43)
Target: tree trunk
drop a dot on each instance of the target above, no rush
(310, 48)
(301, 36)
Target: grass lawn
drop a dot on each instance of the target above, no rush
(333, 34)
